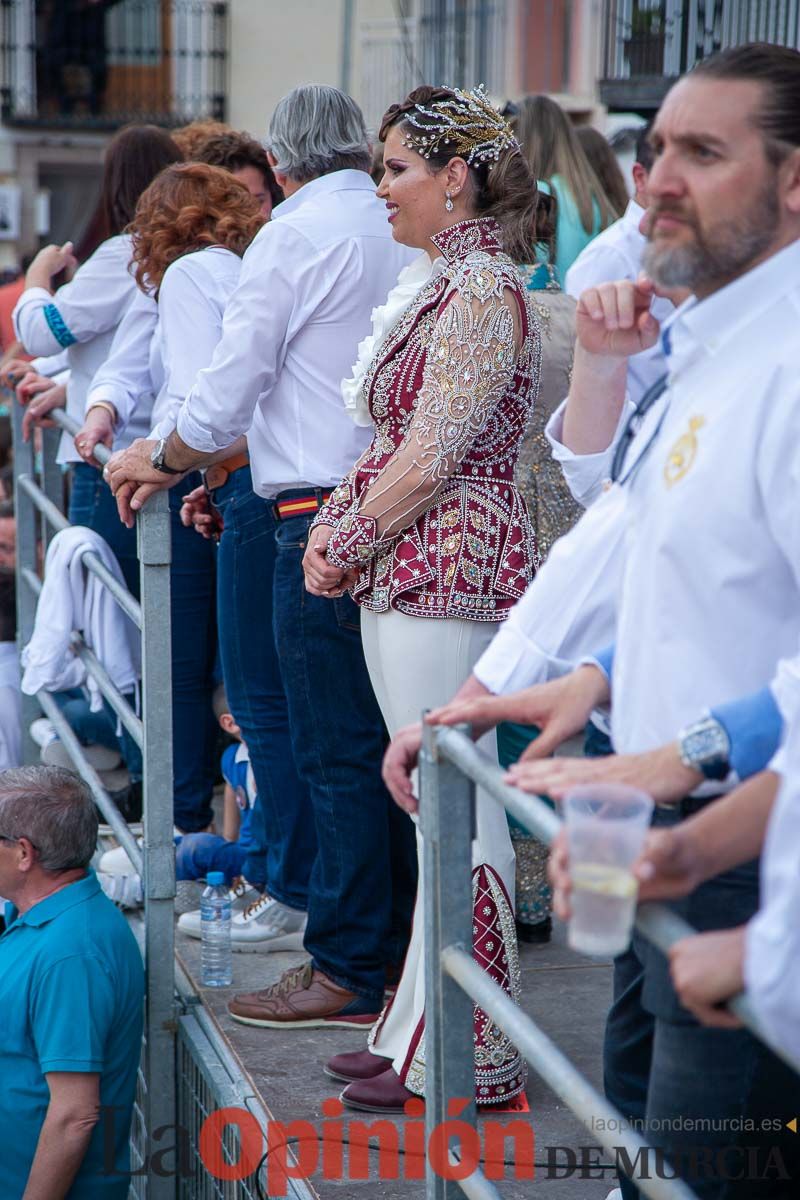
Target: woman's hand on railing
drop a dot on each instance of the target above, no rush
(40, 396)
(97, 429)
(12, 371)
(398, 763)
(199, 513)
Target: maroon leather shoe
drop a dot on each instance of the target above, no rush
(358, 1065)
(383, 1094)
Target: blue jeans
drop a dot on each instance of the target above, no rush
(282, 821)
(659, 1063)
(194, 730)
(100, 728)
(198, 853)
(363, 882)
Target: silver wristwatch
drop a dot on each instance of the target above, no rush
(706, 747)
(157, 459)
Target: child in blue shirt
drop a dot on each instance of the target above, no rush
(198, 853)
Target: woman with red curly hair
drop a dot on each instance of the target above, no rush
(190, 229)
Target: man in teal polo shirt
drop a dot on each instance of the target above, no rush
(71, 1000)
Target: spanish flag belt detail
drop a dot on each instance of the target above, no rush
(298, 505)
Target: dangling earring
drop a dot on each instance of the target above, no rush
(448, 202)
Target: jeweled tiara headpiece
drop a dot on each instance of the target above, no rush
(465, 121)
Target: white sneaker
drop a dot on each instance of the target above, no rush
(116, 861)
(267, 925)
(124, 890)
(241, 895)
(55, 754)
(615, 1195)
(187, 895)
(43, 731)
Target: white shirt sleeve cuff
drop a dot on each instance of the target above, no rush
(196, 436)
(585, 473)
(513, 661)
(51, 364)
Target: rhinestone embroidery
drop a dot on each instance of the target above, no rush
(451, 393)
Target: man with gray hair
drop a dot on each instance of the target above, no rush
(71, 998)
(308, 285)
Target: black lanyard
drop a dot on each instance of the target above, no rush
(632, 427)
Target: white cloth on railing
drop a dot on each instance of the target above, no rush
(10, 708)
(72, 598)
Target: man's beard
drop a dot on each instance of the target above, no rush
(718, 255)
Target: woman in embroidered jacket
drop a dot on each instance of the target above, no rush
(428, 530)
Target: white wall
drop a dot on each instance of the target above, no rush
(277, 44)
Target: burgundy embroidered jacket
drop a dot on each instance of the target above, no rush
(429, 515)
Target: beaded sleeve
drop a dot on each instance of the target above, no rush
(470, 365)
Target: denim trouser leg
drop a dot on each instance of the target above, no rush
(198, 853)
(339, 741)
(194, 732)
(282, 821)
(91, 503)
(194, 641)
(661, 1064)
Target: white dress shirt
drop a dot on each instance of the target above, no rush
(569, 609)
(710, 600)
(133, 373)
(772, 945)
(10, 707)
(309, 282)
(614, 254)
(82, 317)
(191, 304)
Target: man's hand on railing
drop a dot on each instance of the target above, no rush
(707, 971)
(660, 773)
(133, 479)
(40, 396)
(399, 761)
(198, 512)
(97, 429)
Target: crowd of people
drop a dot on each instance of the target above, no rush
(508, 439)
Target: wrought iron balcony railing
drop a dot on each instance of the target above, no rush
(649, 43)
(101, 63)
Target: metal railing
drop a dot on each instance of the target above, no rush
(450, 768)
(102, 65)
(649, 43)
(38, 503)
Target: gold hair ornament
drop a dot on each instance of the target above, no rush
(467, 122)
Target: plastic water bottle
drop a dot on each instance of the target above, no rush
(215, 927)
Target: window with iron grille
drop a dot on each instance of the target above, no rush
(101, 63)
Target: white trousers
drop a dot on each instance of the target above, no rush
(415, 664)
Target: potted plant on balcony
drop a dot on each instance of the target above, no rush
(644, 46)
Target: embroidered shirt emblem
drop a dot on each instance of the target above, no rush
(680, 459)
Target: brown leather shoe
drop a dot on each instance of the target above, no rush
(302, 998)
(383, 1094)
(360, 1064)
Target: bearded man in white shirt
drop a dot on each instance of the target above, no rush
(308, 284)
(709, 594)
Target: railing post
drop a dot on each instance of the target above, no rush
(447, 810)
(153, 526)
(52, 479)
(26, 557)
